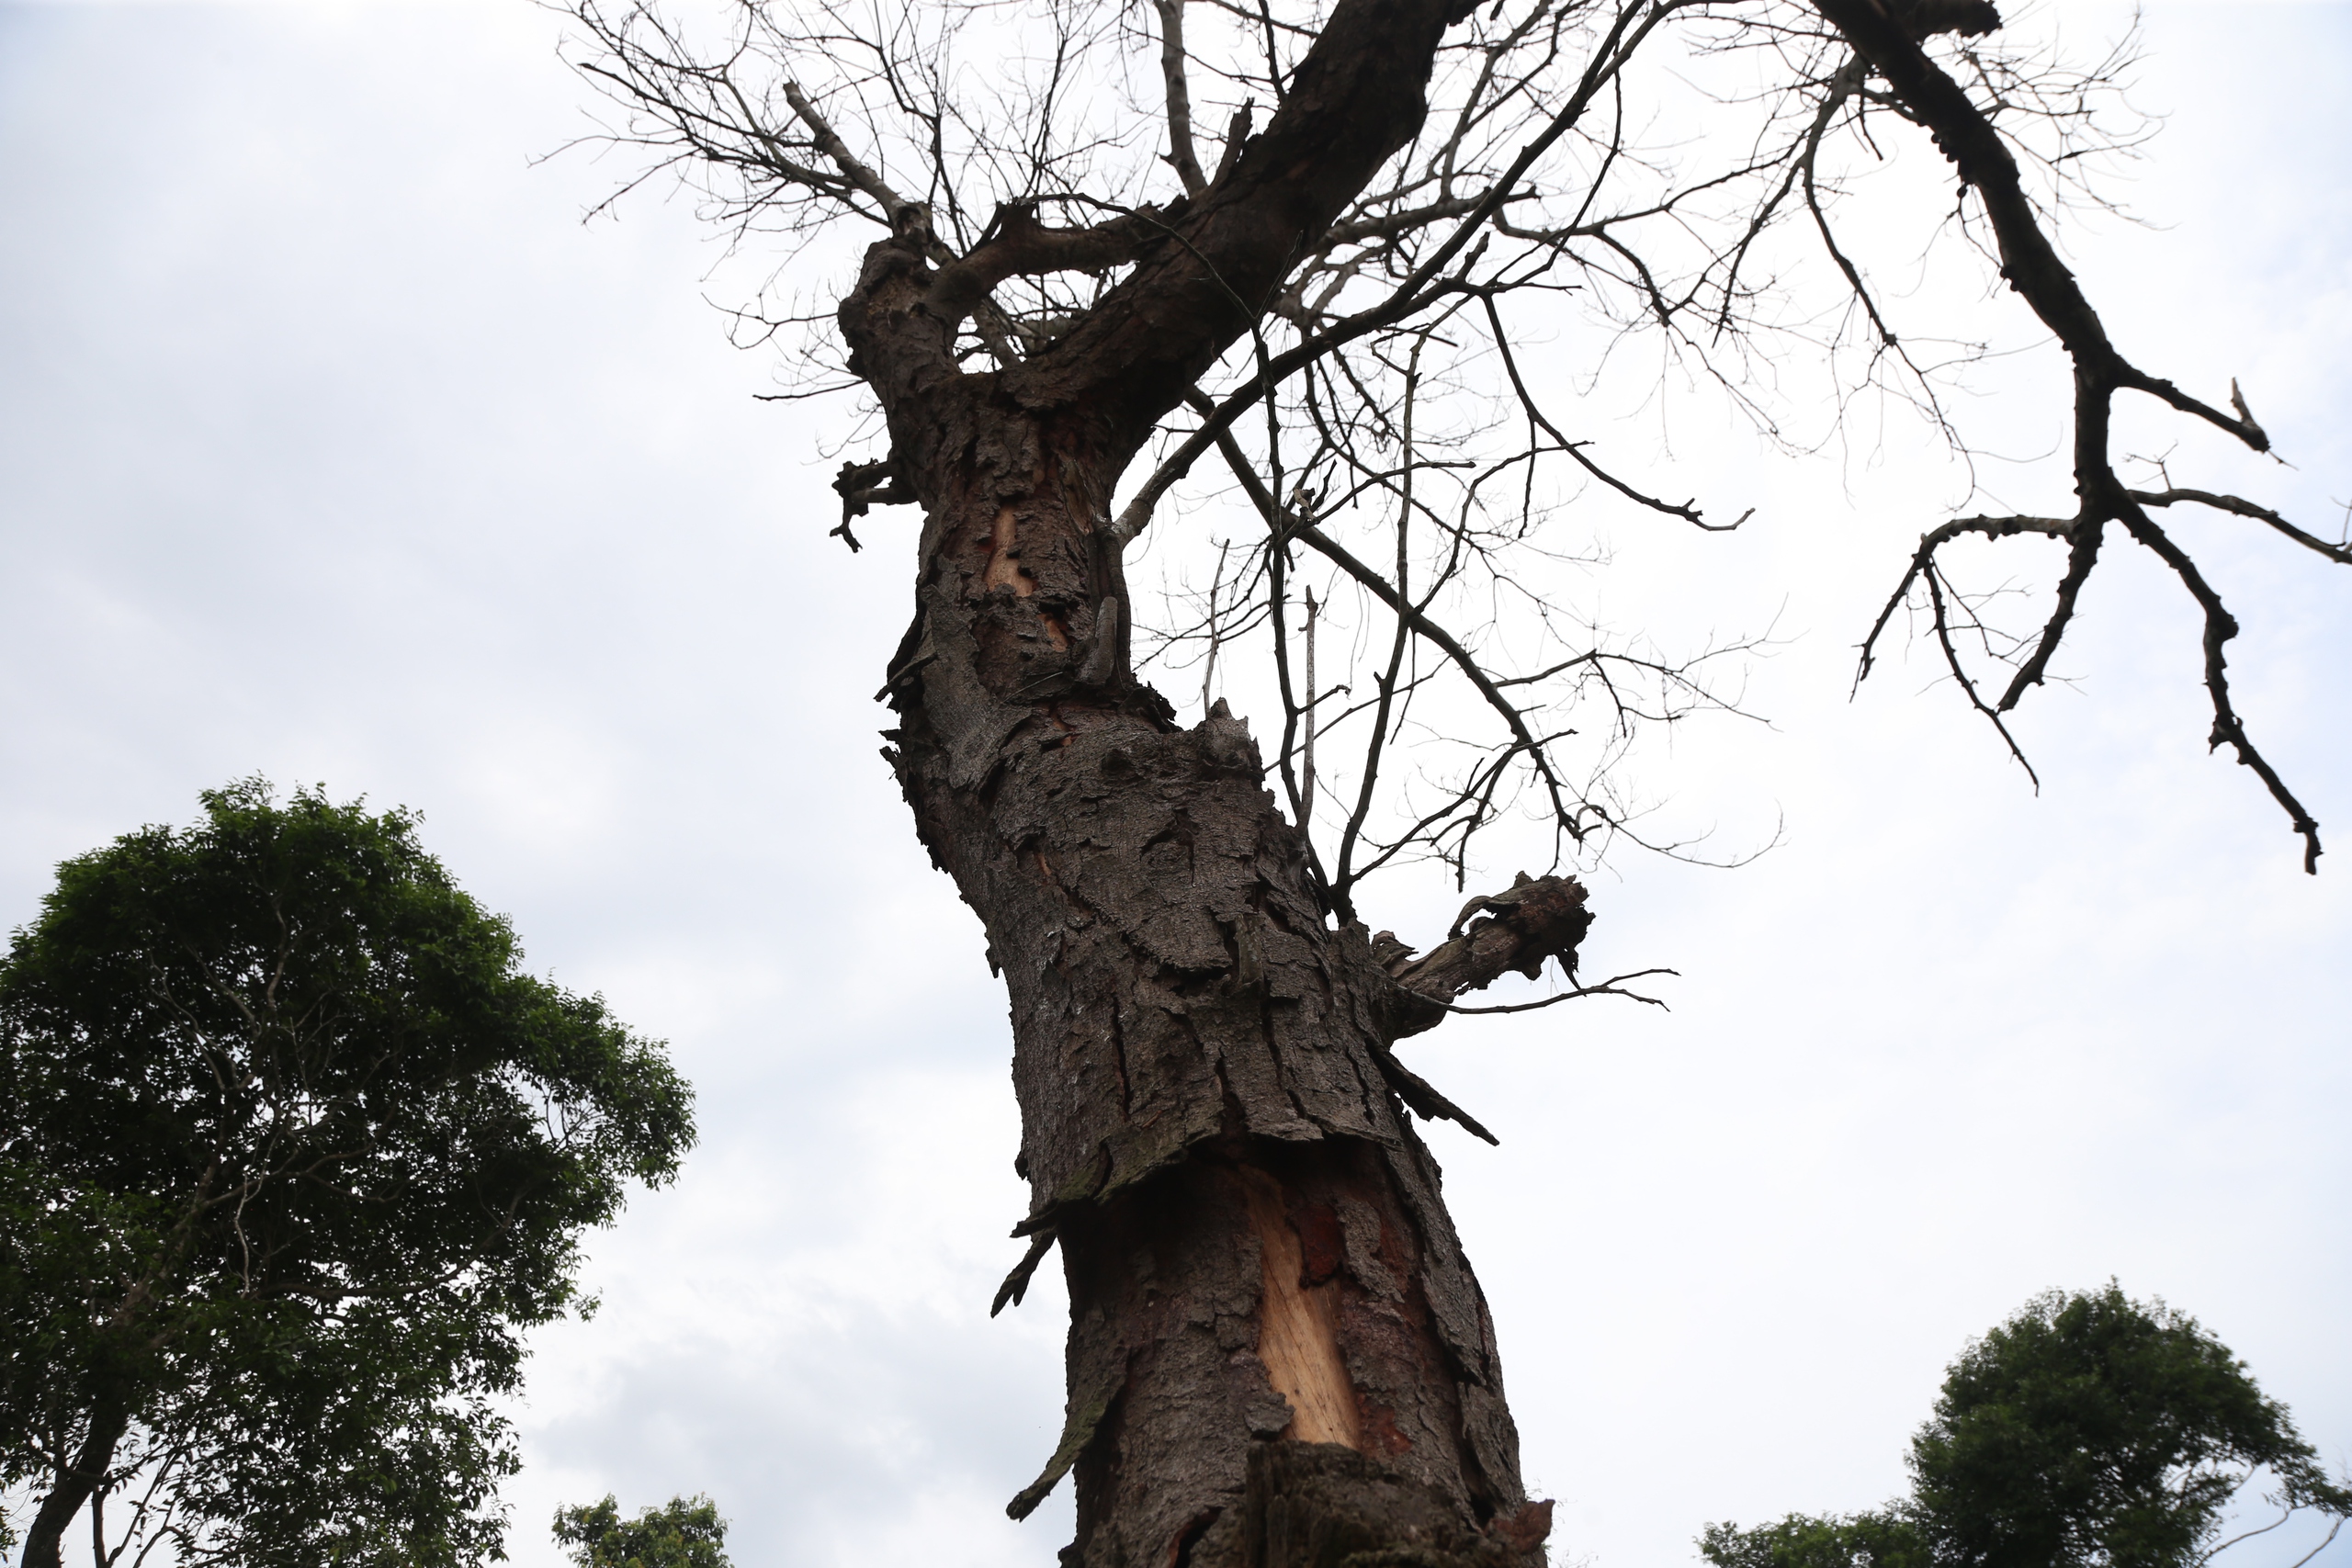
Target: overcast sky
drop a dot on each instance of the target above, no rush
(334, 447)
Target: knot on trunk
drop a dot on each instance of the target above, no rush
(1539, 918)
(1321, 1505)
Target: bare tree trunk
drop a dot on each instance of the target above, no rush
(1253, 1237)
(1277, 1352)
(44, 1539)
(1256, 1250)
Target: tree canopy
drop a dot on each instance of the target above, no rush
(685, 1532)
(2089, 1430)
(291, 1151)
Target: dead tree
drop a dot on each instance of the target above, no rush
(1277, 1353)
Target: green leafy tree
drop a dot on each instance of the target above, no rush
(1887, 1539)
(291, 1152)
(686, 1532)
(2089, 1431)
(2093, 1428)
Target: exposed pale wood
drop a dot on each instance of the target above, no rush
(1298, 1335)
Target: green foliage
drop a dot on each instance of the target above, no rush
(687, 1533)
(2089, 1431)
(2092, 1428)
(290, 1152)
(1859, 1540)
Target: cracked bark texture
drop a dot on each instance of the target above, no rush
(1256, 1247)
(1254, 1238)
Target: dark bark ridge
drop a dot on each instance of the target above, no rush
(1252, 1232)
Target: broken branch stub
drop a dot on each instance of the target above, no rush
(1515, 932)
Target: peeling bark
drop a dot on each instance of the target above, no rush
(1257, 1255)
(1256, 1248)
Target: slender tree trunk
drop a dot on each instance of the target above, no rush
(1255, 1245)
(44, 1539)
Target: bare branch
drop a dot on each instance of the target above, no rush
(2341, 554)
(833, 147)
(1609, 987)
(2030, 264)
(1180, 156)
(2228, 728)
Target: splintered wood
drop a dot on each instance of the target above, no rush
(1298, 1330)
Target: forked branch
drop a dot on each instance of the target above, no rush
(2030, 263)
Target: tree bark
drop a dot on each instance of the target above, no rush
(1253, 1235)
(1259, 1258)
(44, 1537)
